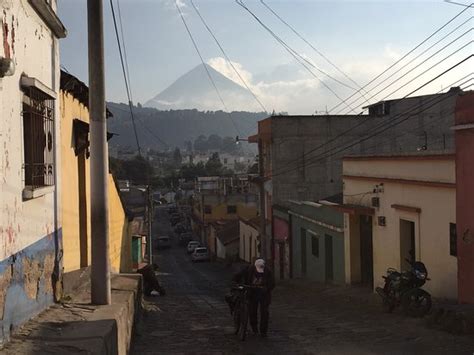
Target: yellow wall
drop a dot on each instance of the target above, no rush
(438, 210)
(248, 235)
(119, 237)
(71, 108)
(120, 241)
(245, 211)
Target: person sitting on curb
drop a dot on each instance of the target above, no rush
(150, 281)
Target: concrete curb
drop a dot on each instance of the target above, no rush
(455, 319)
(78, 327)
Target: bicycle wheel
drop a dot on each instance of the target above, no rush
(244, 319)
(236, 317)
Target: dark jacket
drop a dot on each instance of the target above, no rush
(247, 274)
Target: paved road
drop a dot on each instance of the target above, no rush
(306, 319)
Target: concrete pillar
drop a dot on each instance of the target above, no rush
(464, 140)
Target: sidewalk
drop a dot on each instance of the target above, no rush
(77, 327)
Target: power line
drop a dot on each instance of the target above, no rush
(390, 124)
(227, 57)
(205, 65)
(125, 78)
(124, 48)
(147, 128)
(415, 67)
(349, 130)
(395, 121)
(382, 128)
(406, 55)
(299, 58)
(310, 44)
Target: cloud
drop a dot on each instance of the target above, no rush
(290, 88)
(223, 67)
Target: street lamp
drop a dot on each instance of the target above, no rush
(237, 140)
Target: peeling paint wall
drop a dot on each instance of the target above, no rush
(29, 229)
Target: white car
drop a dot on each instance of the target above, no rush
(192, 245)
(200, 254)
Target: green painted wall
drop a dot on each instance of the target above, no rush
(305, 231)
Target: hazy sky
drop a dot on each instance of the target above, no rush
(361, 37)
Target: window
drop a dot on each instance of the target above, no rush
(453, 239)
(38, 126)
(231, 209)
(207, 209)
(315, 245)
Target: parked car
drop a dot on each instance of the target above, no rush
(200, 254)
(163, 242)
(175, 219)
(185, 238)
(193, 244)
(179, 228)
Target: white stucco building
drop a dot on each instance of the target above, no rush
(29, 219)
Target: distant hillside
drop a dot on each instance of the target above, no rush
(174, 127)
(194, 90)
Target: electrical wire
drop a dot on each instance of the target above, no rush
(125, 78)
(368, 118)
(418, 65)
(408, 53)
(124, 48)
(382, 126)
(315, 160)
(396, 121)
(205, 66)
(311, 45)
(419, 55)
(299, 58)
(227, 57)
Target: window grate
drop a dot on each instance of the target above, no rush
(38, 129)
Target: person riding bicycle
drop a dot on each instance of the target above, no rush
(262, 278)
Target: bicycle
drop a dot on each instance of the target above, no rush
(240, 310)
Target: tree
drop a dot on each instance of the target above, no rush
(214, 142)
(188, 145)
(177, 158)
(253, 169)
(229, 145)
(137, 170)
(214, 165)
(200, 144)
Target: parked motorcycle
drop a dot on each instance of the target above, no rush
(405, 289)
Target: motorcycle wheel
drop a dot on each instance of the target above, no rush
(244, 319)
(387, 303)
(416, 302)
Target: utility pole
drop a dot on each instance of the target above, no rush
(100, 272)
(263, 222)
(150, 224)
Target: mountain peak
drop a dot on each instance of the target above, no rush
(194, 90)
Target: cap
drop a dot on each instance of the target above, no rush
(260, 265)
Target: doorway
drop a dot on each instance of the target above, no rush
(303, 252)
(407, 243)
(328, 258)
(82, 207)
(281, 250)
(366, 251)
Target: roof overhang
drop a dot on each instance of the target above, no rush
(47, 14)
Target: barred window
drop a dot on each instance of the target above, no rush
(38, 126)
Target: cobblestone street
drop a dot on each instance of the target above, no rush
(313, 319)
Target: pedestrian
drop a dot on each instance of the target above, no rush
(150, 281)
(260, 297)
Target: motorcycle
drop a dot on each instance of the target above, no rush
(405, 289)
